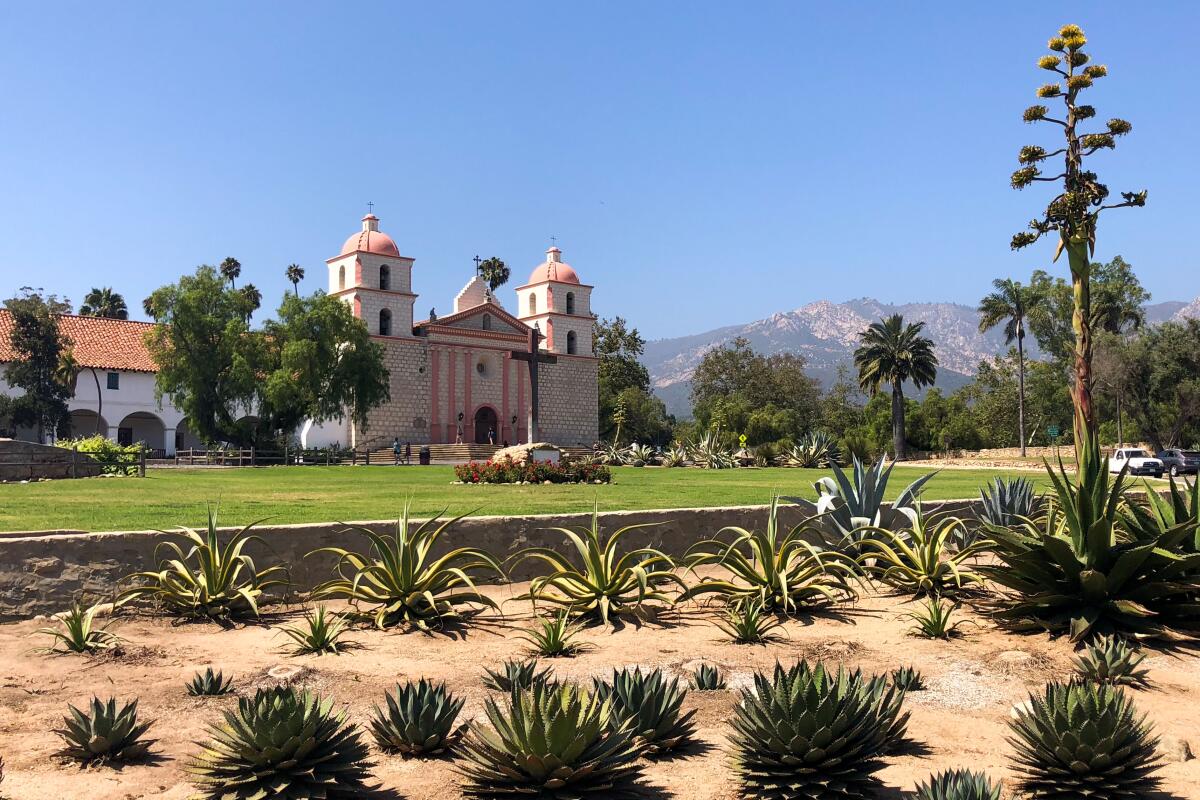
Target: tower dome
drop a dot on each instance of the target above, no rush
(553, 269)
(370, 240)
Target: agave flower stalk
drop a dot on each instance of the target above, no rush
(402, 581)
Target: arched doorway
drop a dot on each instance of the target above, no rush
(485, 422)
(145, 428)
(85, 422)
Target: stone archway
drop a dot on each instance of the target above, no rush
(85, 422)
(486, 421)
(145, 428)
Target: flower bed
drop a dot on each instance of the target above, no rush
(509, 471)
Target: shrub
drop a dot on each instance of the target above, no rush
(651, 705)
(917, 559)
(104, 733)
(783, 572)
(675, 456)
(114, 459)
(806, 732)
(419, 719)
(709, 453)
(605, 582)
(555, 741)
(79, 633)
(959, 784)
(555, 638)
(211, 579)
(508, 471)
(815, 449)
(1083, 741)
(281, 743)
(1111, 660)
(402, 581)
(321, 632)
(515, 674)
(209, 684)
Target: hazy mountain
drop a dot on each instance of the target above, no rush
(826, 333)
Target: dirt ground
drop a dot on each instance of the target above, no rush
(958, 721)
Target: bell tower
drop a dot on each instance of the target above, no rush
(375, 280)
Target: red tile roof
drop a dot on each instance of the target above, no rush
(112, 344)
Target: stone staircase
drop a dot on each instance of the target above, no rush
(458, 453)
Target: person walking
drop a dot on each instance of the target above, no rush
(492, 436)
(396, 451)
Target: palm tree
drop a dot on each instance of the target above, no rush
(104, 303)
(494, 271)
(295, 274)
(231, 268)
(1010, 304)
(253, 297)
(892, 352)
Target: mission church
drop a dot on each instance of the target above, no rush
(463, 377)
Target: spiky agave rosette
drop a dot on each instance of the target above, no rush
(1081, 741)
(418, 720)
(807, 733)
(651, 705)
(281, 744)
(553, 741)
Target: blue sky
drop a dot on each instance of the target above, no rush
(702, 164)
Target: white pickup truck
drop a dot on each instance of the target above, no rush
(1138, 461)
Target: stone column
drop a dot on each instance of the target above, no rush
(169, 441)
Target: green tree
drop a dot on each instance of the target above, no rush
(1010, 304)
(231, 268)
(42, 368)
(494, 271)
(104, 303)
(1160, 370)
(315, 360)
(295, 274)
(1074, 214)
(618, 348)
(253, 299)
(892, 352)
(641, 417)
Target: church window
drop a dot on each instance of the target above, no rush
(385, 323)
(487, 322)
(385, 277)
(532, 303)
(114, 380)
(571, 343)
(342, 277)
(570, 302)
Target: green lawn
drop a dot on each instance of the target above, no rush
(170, 497)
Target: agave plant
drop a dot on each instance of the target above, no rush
(707, 678)
(210, 579)
(209, 684)
(675, 456)
(402, 581)
(612, 454)
(283, 744)
(651, 705)
(79, 633)
(781, 571)
(1081, 570)
(605, 582)
(918, 559)
(1007, 501)
(104, 732)
(419, 719)
(908, 679)
(515, 674)
(1110, 660)
(845, 506)
(554, 741)
(807, 732)
(639, 455)
(933, 620)
(709, 453)
(321, 632)
(814, 450)
(1161, 514)
(958, 784)
(745, 623)
(555, 637)
(1082, 740)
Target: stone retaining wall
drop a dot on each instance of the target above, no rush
(41, 572)
(24, 461)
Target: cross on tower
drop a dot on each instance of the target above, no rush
(533, 356)
(554, 241)
(477, 262)
(370, 208)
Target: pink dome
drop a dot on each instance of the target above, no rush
(371, 240)
(553, 270)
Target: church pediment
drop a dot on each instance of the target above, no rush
(486, 317)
